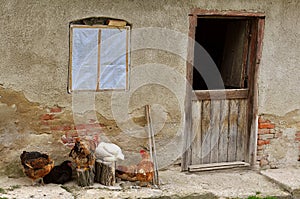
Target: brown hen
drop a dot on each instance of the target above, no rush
(145, 169)
(142, 172)
(36, 165)
(82, 155)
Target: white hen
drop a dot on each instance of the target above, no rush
(109, 152)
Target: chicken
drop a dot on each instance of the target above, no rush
(145, 169)
(127, 173)
(142, 172)
(109, 152)
(82, 154)
(60, 174)
(36, 165)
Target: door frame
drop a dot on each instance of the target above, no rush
(255, 57)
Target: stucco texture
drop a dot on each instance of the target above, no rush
(34, 58)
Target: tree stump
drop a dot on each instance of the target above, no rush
(85, 177)
(105, 173)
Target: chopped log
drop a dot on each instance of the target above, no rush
(85, 177)
(105, 173)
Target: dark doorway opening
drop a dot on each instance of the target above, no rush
(226, 40)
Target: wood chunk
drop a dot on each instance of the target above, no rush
(85, 177)
(117, 23)
(105, 173)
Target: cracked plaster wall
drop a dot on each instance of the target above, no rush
(34, 54)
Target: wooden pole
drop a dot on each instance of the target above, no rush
(152, 145)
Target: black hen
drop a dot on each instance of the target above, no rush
(60, 174)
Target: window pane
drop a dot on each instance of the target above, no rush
(113, 77)
(84, 58)
(113, 59)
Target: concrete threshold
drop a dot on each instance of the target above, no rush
(288, 178)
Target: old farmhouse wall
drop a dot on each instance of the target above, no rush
(37, 112)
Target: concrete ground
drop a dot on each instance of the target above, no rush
(279, 183)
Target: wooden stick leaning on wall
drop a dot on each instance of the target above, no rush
(152, 145)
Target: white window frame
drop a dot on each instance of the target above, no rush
(96, 66)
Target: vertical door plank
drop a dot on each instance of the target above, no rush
(233, 58)
(196, 132)
(242, 131)
(215, 129)
(233, 119)
(205, 130)
(223, 138)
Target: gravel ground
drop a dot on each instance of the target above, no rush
(174, 184)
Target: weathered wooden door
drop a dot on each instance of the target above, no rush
(219, 127)
(220, 123)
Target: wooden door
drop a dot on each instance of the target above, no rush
(219, 128)
(220, 124)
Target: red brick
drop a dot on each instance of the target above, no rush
(92, 121)
(297, 134)
(71, 134)
(263, 142)
(262, 120)
(55, 110)
(260, 142)
(56, 128)
(61, 128)
(266, 126)
(267, 141)
(67, 127)
(47, 117)
(79, 126)
(297, 138)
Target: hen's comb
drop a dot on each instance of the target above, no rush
(142, 151)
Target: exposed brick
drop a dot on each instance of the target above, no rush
(55, 110)
(61, 128)
(91, 121)
(262, 120)
(71, 134)
(263, 142)
(266, 126)
(65, 139)
(79, 126)
(267, 141)
(260, 142)
(47, 117)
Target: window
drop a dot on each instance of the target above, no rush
(99, 57)
(227, 42)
